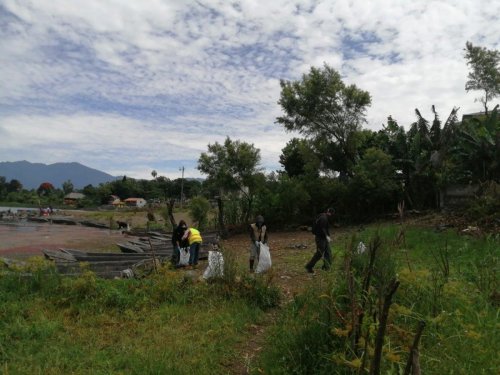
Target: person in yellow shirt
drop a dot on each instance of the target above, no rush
(193, 236)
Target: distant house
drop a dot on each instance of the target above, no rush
(115, 201)
(113, 198)
(72, 199)
(135, 202)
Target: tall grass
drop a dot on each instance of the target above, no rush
(165, 324)
(449, 285)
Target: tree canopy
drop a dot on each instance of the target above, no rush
(485, 72)
(321, 106)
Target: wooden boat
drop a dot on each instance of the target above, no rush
(94, 224)
(58, 255)
(71, 262)
(63, 220)
(83, 256)
(38, 219)
(129, 248)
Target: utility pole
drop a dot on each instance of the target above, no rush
(182, 184)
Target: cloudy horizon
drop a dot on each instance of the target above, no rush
(131, 87)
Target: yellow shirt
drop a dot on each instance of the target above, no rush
(194, 236)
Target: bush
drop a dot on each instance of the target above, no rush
(198, 210)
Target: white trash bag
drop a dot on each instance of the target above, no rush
(361, 248)
(183, 256)
(215, 265)
(264, 259)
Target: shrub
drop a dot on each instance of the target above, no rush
(198, 210)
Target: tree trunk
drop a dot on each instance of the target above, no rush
(222, 227)
(170, 208)
(413, 362)
(379, 339)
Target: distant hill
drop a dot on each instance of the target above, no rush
(31, 175)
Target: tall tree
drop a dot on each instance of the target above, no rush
(45, 188)
(298, 158)
(485, 72)
(14, 186)
(321, 106)
(232, 166)
(3, 187)
(67, 187)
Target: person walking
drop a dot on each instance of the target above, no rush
(258, 234)
(322, 238)
(177, 241)
(193, 236)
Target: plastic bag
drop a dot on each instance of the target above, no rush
(215, 265)
(361, 248)
(264, 259)
(183, 256)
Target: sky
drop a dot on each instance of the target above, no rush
(128, 87)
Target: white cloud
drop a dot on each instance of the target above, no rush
(127, 87)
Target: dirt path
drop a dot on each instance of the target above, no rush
(289, 252)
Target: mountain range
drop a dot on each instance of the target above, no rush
(31, 175)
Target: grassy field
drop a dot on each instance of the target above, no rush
(285, 322)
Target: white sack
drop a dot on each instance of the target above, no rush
(215, 265)
(183, 256)
(264, 259)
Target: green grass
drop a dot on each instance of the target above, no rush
(455, 301)
(164, 324)
(169, 324)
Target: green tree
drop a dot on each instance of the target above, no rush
(198, 210)
(3, 187)
(321, 106)
(164, 187)
(232, 166)
(374, 187)
(14, 186)
(485, 72)
(67, 187)
(479, 147)
(298, 158)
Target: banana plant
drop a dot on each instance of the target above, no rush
(479, 146)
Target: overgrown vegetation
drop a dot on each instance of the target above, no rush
(167, 323)
(451, 290)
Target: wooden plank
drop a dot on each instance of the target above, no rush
(59, 255)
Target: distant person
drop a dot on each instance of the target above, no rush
(122, 225)
(258, 234)
(178, 242)
(322, 238)
(193, 236)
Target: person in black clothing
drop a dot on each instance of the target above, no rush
(258, 234)
(322, 237)
(178, 242)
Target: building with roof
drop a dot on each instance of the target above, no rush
(135, 202)
(72, 199)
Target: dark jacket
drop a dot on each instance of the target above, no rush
(177, 237)
(323, 226)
